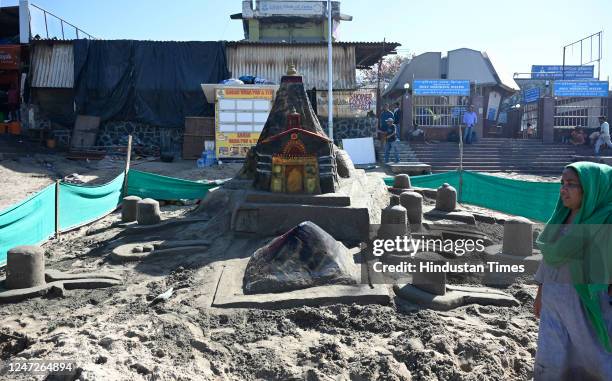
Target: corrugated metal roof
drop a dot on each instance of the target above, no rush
(366, 53)
(53, 65)
(270, 61)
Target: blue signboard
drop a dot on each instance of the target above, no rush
(531, 95)
(581, 89)
(559, 72)
(440, 87)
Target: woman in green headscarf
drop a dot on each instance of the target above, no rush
(573, 301)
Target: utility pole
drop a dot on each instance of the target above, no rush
(378, 98)
(330, 74)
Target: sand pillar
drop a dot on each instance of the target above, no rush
(25, 267)
(518, 237)
(129, 208)
(446, 198)
(413, 202)
(148, 212)
(401, 182)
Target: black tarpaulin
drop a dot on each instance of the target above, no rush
(154, 82)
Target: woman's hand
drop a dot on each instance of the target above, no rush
(537, 304)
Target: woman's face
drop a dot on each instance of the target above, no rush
(571, 190)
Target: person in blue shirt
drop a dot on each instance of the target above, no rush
(385, 114)
(389, 131)
(469, 119)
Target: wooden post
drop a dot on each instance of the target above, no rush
(57, 220)
(127, 166)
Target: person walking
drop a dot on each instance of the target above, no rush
(604, 135)
(573, 301)
(469, 119)
(391, 139)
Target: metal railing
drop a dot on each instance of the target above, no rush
(439, 111)
(579, 112)
(62, 22)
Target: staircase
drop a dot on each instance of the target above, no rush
(494, 155)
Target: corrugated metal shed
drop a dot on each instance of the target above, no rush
(53, 65)
(270, 61)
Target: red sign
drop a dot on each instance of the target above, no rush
(10, 56)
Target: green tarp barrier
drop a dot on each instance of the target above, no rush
(29, 222)
(33, 221)
(80, 205)
(159, 187)
(531, 199)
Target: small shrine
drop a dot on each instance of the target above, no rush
(293, 154)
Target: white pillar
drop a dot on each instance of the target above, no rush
(24, 22)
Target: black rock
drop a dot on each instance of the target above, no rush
(305, 256)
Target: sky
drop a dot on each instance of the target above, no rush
(515, 34)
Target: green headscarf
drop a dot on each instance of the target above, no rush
(587, 247)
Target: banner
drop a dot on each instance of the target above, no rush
(10, 57)
(584, 89)
(348, 103)
(436, 87)
(562, 72)
(531, 95)
(240, 115)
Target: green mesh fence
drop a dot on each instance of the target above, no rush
(531, 199)
(33, 220)
(80, 205)
(28, 223)
(159, 187)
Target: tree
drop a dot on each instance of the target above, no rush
(389, 67)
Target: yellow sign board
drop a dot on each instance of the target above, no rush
(240, 114)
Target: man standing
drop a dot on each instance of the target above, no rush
(384, 115)
(389, 131)
(469, 119)
(397, 115)
(604, 135)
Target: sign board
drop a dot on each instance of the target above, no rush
(10, 57)
(559, 72)
(348, 104)
(531, 95)
(293, 8)
(586, 89)
(240, 115)
(441, 87)
(360, 150)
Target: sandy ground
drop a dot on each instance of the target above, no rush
(115, 334)
(27, 174)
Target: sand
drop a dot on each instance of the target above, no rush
(115, 334)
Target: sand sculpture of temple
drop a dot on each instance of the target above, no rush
(293, 153)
